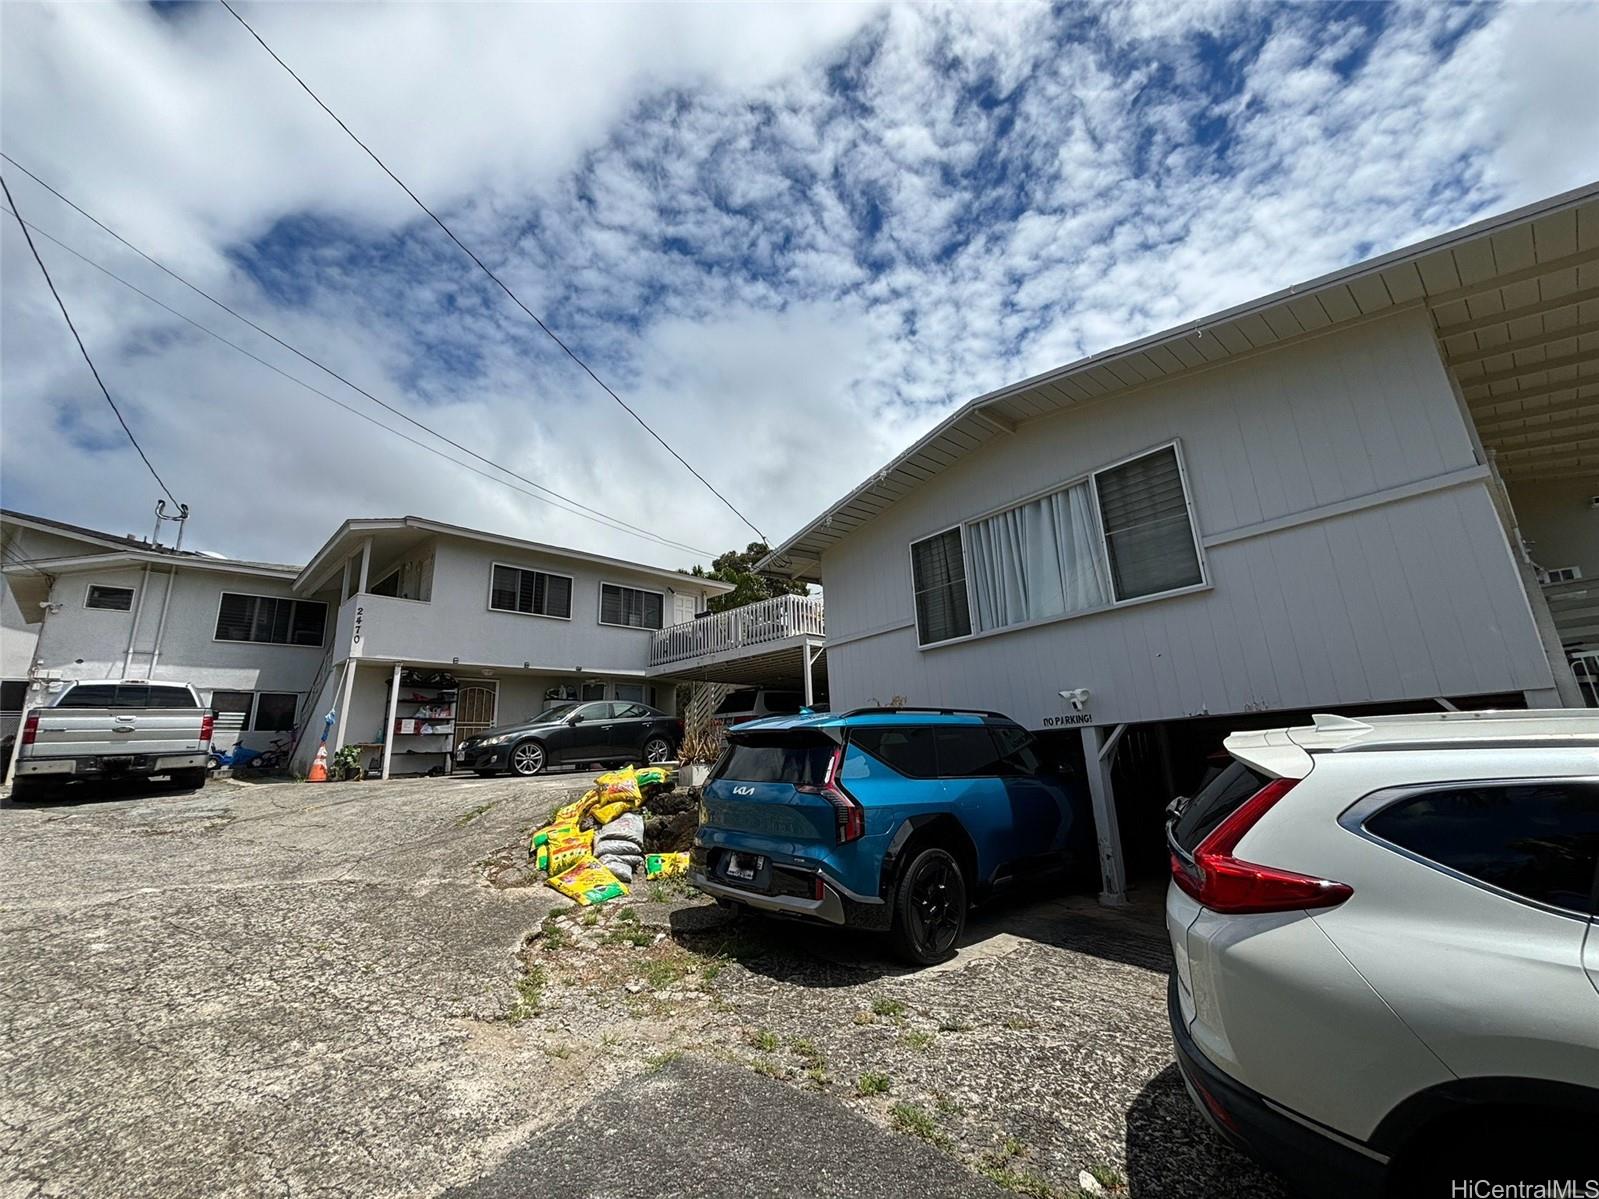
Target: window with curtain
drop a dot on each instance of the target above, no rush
(1148, 534)
(938, 574)
(631, 606)
(1037, 560)
(532, 591)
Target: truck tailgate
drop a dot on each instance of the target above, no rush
(98, 732)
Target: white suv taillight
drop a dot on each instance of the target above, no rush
(1227, 884)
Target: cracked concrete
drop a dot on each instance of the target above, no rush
(263, 990)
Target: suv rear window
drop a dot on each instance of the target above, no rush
(1217, 800)
(1536, 840)
(800, 759)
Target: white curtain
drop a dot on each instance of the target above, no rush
(1040, 560)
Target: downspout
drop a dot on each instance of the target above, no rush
(138, 613)
(161, 625)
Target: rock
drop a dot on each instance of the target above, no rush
(633, 988)
(1088, 1184)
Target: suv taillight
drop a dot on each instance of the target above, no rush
(1227, 884)
(850, 816)
(30, 729)
(208, 723)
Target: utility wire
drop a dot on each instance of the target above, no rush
(233, 345)
(61, 304)
(515, 299)
(159, 265)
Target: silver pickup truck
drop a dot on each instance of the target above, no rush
(114, 729)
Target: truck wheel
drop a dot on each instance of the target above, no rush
(190, 780)
(27, 790)
(929, 908)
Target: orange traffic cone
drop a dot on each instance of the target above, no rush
(319, 768)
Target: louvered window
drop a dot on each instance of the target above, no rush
(1148, 534)
(532, 591)
(630, 606)
(271, 619)
(938, 573)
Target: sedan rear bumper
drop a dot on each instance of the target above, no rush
(1317, 1161)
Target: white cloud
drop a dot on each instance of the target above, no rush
(791, 236)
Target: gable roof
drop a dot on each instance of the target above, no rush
(120, 550)
(347, 538)
(1501, 254)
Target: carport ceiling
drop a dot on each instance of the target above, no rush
(783, 668)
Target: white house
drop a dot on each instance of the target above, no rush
(272, 647)
(1379, 487)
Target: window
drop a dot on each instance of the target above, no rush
(800, 759)
(533, 591)
(592, 712)
(630, 606)
(232, 709)
(1148, 535)
(409, 580)
(1038, 560)
(591, 691)
(1562, 574)
(632, 711)
(112, 599)
(1536, 840)
(907, 750)
(1218, 799)
(274, 711)
(271, 619)
(13, 695)
(126, 695)
(938, 575)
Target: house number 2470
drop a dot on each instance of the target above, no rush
(360, 618)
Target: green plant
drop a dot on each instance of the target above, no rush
(347, 764)
(471, 814)
(907, 1117)
(944, 1105)
(817, 1075)
(764, 1039)
(806, 1049)
(1107, 1177)
(662, 1060)
(553, 934)
(629, 935)
(529, 995)
(892, 1008)
(627, 916)
(1030, 1185)
(872, 1083)
(918, 1039)
(591, 918)
(661, 973)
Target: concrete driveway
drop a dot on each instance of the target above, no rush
(312, 990)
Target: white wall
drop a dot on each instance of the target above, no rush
(458, 623)
(19, 626)
(1414, 597)
(1560, 522)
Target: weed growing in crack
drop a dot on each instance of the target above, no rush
(529, 995)
(891, 1009)
(908, 1118)
(872, 1083)
(918, 1039)
(661, 1060)
(764, 1039)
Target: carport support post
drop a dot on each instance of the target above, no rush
(394, 719)
(805, 652)
(346, 687)
(1097, 746)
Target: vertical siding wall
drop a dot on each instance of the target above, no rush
(1319, 597)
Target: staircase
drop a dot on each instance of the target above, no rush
(1574, 605)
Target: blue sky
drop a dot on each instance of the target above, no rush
(792, 237)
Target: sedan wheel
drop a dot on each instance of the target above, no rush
(527, 758)
(657, 749)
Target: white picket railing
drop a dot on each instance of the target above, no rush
(739, 628)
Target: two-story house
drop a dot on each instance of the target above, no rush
(1375, 488)
(511, 623)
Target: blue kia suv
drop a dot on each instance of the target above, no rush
(893, 819)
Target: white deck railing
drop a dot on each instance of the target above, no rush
(750, 627)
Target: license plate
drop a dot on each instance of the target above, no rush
(743, 866)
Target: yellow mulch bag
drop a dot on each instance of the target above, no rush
(665, 865)
(623, 790)
(589, 882)
(574, 812)
(568, 850)
(539, 847)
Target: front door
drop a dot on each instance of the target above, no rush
(682, 608)
(474, 710)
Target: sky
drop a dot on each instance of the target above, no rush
(792, 238)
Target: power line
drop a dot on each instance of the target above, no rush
(515, 299)
(61, 304)
(328, 370)
(598, 518)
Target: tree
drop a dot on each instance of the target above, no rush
(738, 568)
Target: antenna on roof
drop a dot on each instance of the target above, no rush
(161, 515)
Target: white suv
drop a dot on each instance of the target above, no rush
(1387, 950)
